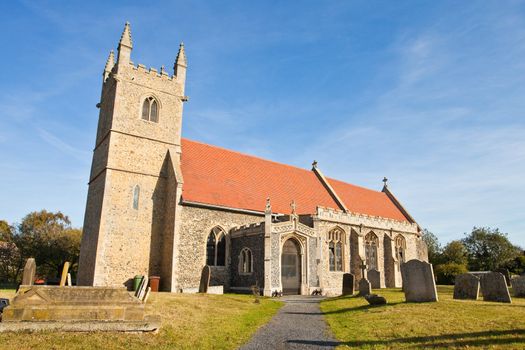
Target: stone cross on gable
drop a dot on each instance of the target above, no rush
(294, 206)
(385, 181)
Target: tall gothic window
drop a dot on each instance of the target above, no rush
(216, 248)
(150, 110)
(245, 261)
(371, 243)
(401, 246)
(335, 249)
(136, 195)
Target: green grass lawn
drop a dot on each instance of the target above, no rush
(446, 324)
(193, 321)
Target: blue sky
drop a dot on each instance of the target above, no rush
(430, 94)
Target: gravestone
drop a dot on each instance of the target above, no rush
(418, 281)
(65, 270)
(29, 272)
(494, 288)
(518, 286)
(505, 274)
(364, 287)
(374, 277)
(348, 284)
(466, 286)
(205, 279)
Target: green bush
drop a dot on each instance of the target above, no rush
(445, 273)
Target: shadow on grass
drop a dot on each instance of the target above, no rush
(513, 336)
(362, 307)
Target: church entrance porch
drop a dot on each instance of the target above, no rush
(291, 267)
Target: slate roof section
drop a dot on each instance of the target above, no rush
(220, 177)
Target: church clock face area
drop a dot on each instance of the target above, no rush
(284, 229)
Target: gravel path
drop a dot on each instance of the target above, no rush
(298, 325)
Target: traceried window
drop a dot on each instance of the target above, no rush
(401, 246)
(136, 195)
(150, 110)
(335, 249)
(216, 248)
(245, 261)
(371, 243)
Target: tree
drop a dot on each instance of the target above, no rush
(488, 249)
(6, 232)
(49, 238)
(10, 263)
(433, 245)
(455, 252)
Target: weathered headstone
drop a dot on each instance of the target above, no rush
(348, 284)
(466, 286)
(364, 287)
(69, 283)
(205, 279)
(505, 274)
(29, 272)
(375, 299)
(374, 277)
(518, 286)
(418, 281)
(494, 288)
(65, 271)
(143, 288)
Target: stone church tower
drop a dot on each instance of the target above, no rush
(129, 223)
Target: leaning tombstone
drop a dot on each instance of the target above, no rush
(418, 281)
(494, 288)
(364, 287)
(205, 279)
(374, 276)
(518, 286)
(348, 284)
(65, 271)
(466, 286)
(375, 299)
(506, 274)
(29, 272)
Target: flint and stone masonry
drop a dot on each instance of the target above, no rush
(162, 205)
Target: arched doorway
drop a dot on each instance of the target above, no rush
(291, 267)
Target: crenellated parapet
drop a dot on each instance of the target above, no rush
(357, 219)
(247, 230)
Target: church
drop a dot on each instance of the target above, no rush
(162, 205)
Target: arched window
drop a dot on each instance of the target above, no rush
(216, 248)
(371, 243)
(136, 195)
(401, 246)
(335, 249)
(245, 261)
(150, 110)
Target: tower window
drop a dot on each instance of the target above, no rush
(136, 194)
(150, 110)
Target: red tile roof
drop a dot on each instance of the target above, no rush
(216, 176)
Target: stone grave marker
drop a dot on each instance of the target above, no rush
(65, 271)
(494, 288)
(29, 272)
(374, 277)
(143, 288)
(375, 299)
(505, 274)
(418, 281)
(69, 283)
(364, 287)
(466, 286)
(205, 279)
(348, 284)
(518, 286)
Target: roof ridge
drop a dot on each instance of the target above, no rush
(275, 162)
(247, 155)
